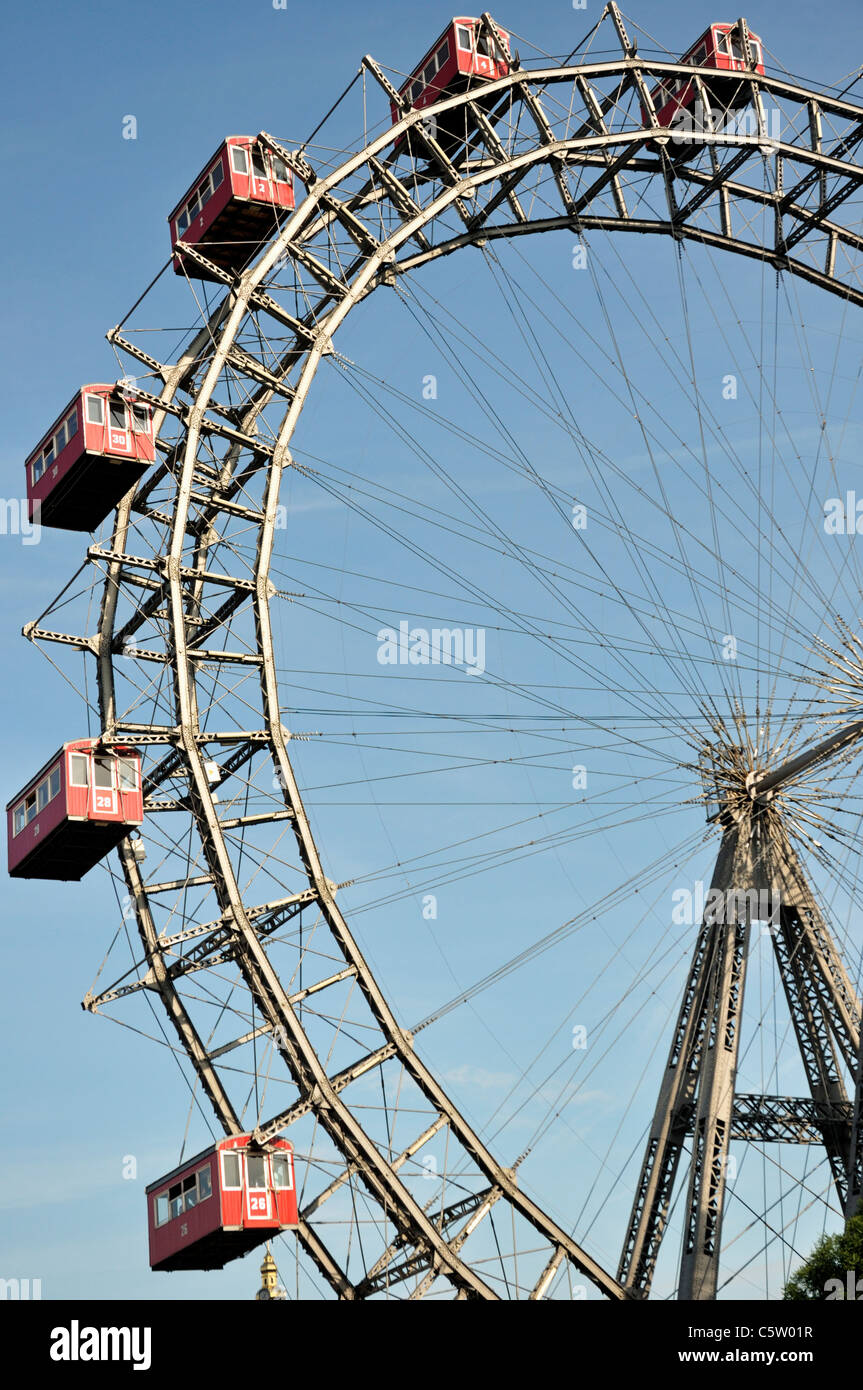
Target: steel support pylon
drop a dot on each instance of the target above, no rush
(757, 875)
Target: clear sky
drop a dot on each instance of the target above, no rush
(84, 233)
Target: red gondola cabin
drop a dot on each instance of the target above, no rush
(721, 48)
(81, 804)
(234, 204)
(94, 452)
(220, 1205)
(464, 56)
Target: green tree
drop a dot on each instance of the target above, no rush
(832, 1259)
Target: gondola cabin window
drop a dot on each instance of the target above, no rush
(464, 57)
(182, 1196)
(721, 50)
(234, 206)
(98, 448)
(83, 802)
(221, 1204)
(463, 52)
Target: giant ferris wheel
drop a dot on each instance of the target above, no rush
(719, 671)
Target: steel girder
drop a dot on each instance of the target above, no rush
(697, 1099)
(697, 1094)
(787, 1119)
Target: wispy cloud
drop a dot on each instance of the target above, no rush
(478, 1076)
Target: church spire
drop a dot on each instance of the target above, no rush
(270, 1286)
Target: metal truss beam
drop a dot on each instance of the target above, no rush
(675, 1105)
(787, 1119)
(697, 1100)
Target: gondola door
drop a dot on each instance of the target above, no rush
(104, 788)
(259, 1197)
(260, 175)
(483, 58)
(119, 435)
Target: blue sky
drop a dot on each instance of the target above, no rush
(85, 232)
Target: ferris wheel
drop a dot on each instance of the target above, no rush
(722, 673)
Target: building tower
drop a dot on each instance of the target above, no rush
(270, 1286)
